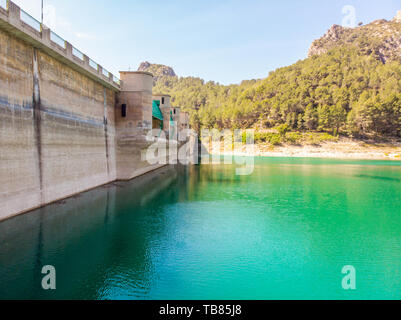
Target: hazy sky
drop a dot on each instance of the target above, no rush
(222, 40)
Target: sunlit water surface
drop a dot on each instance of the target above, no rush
(202, 232)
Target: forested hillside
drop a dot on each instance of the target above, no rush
(350, 84)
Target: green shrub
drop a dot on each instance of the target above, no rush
(275, 139)
(244, 137)
(261, 137)
(283, 129)
(293, 137)
(317, 138)
(327, 137)
(270, 137)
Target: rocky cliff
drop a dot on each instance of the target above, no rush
(158, 70)
(381, 39)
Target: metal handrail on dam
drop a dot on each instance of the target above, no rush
(22, 25)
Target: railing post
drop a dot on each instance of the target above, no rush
(86, 61)
(14, 13)
(68, 47)
(46, 35)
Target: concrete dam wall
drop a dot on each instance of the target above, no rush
(61, 125)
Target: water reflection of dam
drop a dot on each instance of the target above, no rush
(84, 228)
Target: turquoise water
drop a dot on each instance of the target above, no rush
(201, 232)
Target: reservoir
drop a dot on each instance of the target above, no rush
(203, 232)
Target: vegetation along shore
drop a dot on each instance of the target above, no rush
(343, 100)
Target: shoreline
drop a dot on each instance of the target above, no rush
(344, 149)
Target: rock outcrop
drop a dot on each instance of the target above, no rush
(380, 39)
(332, 36)
(158, 70)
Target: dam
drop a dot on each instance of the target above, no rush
(67, 125)
(115, 227)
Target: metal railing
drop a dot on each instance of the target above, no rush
(57, 39)
(3, 4)
(116, 80)
(93, 64)
(77, 53)
(30, 21)
(105, 73)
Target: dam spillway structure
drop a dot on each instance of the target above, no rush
(67, 124)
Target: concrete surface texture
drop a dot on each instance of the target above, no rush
(56, 129)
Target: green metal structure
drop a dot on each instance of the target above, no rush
(156, 112)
